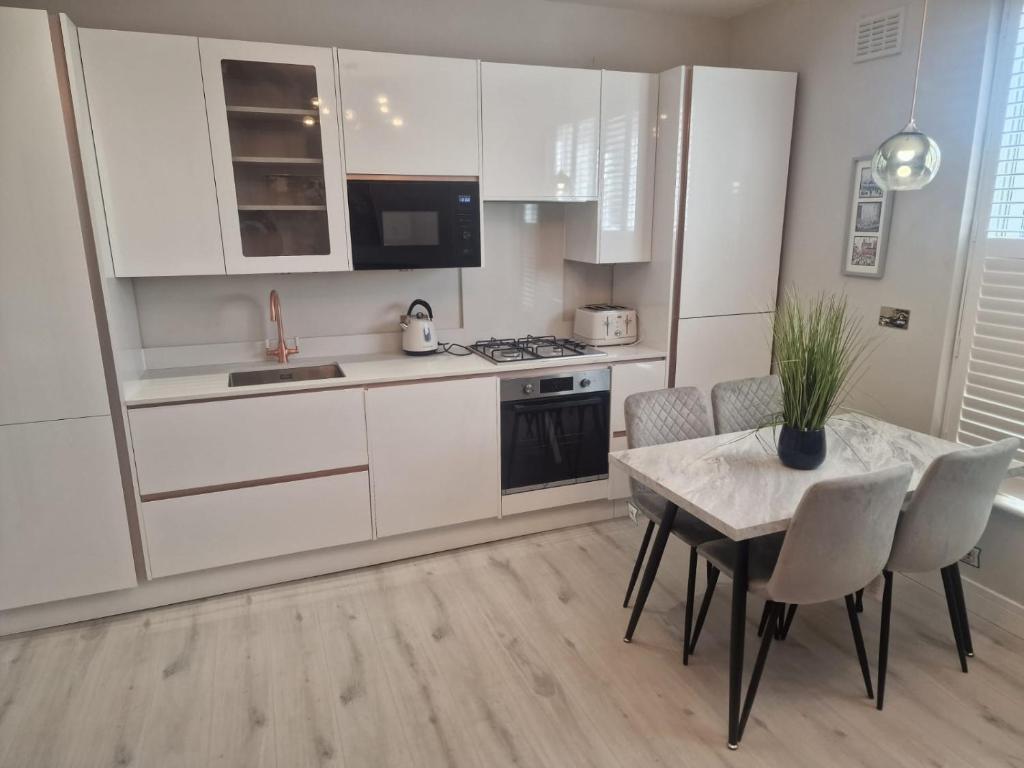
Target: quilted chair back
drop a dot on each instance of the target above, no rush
(745, 404)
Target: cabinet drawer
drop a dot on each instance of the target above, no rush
(207, 530)
(197, 445)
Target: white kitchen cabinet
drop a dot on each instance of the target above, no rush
(628, 379)
(63, 526)
(49, 342)
(541, 127)
(207, 530)
(410, 115)
(198, 445)
(433, 453)
(617, 228)
(148, 115)
(277, 157)
(714, 349)
(741, 124)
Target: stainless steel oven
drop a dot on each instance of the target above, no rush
(414, 222)
(554, 430)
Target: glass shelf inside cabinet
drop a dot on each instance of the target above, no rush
(273, 115)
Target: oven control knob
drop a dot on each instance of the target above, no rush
(584, 383)
(528, 389)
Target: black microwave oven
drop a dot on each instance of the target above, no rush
(414, 223)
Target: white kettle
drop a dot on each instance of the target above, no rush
(418, 330)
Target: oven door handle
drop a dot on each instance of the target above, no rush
(557, 405)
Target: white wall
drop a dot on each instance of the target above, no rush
(525, 286)
(519, 31)
(844, 110)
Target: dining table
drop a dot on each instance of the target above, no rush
(736, 484)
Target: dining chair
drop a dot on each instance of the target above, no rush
(741, 405)
(655, 418)
(941, 523)
(838, 541)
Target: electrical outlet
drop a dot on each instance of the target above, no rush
(972, 558)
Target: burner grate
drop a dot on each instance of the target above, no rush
(530, 348)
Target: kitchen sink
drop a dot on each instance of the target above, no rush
(285, 375)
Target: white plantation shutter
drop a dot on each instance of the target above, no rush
(987, 384)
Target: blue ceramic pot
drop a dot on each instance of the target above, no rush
(802, 449)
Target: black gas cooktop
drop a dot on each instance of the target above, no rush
(532, 348)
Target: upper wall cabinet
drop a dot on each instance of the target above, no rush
(741, 126)
(410, 115)
(148, 119)
(276, 156)
(617, 229)
(540, 132)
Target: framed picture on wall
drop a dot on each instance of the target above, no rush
(868, 230)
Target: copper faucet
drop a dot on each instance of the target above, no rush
(282, 350)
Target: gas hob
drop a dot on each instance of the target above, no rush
(532, 348)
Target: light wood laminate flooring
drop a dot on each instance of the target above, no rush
(506, 654)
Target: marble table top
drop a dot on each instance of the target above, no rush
(736, 483)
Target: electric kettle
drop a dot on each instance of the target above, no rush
(418, 330)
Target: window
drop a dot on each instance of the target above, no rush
(986, 395)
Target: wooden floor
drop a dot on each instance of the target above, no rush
(499, 655)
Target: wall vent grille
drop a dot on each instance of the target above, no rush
(879, 35)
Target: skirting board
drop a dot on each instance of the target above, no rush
(982, 601)
(191, 586)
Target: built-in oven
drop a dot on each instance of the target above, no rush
(414, 222)
(554, 430)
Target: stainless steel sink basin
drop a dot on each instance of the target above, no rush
(285, 375)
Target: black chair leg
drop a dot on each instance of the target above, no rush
(883, 638)
(772, 612)
(954, 615)
(639, 562)
(657, 550)
(789, 621)
(691, 586)
(860, 601)
(965, 627)
(858, 641)
(764, 619)
(713, 574)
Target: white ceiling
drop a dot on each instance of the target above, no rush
(720, 8)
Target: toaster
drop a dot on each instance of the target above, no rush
(605, 324)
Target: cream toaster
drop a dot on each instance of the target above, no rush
(605, 324)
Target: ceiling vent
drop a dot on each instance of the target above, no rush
(879, 35)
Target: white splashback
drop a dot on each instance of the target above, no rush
(525, 286)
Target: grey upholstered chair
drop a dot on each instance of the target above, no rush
(744, 404)
(942, 522)
(656, 418)
(838, 541)
(740, 405)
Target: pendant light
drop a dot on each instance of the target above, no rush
(910, 159)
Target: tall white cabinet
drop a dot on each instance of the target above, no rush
(63, 523)
(737, 166)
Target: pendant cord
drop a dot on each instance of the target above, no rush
(917, 71)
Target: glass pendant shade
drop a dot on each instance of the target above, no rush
(907, 161)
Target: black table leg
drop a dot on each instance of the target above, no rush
(736, 633)
(657, 548)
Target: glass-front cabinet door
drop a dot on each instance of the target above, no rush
(277, 156)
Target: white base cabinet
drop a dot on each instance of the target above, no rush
(197, 445)
(192, 533)
(434, 454)
(628, 379)
(714, 349)
(63, 528)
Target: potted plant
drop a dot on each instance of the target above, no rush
(818, 350)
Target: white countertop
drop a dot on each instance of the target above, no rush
(210, 382)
